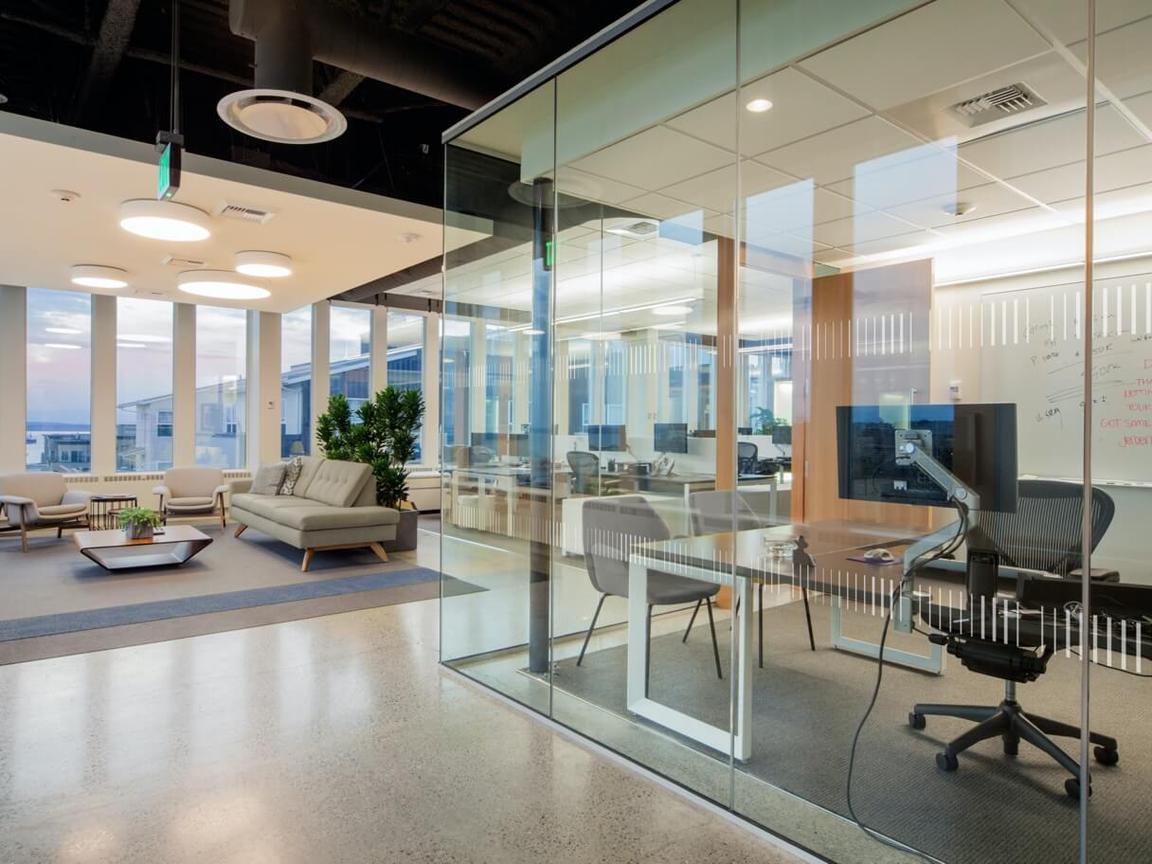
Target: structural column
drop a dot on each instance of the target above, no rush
(183, 384)
(263, 393)
(103, 409)
(14, 380)
(321, 360)
(727, 359)
(378, 370)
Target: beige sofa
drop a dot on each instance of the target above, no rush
(333, 506)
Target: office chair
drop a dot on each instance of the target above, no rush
(712, 514)
(612, 529)
(586, 477)
(747, 455)
(1043, 534)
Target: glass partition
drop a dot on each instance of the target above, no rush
(822, 349)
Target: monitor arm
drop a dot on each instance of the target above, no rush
(911, 449)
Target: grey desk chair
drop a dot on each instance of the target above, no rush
(613, 527)
(1043, 534)
(747, 456)
(712, 514)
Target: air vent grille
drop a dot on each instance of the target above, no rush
(183, 263)
(997, 104)
(244, 213)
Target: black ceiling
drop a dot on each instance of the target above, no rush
(105, 65)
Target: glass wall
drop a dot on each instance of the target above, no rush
(350, 352)
(221, 364)
(809, 534)
(59, 433)
(296, 382)
(143, 384)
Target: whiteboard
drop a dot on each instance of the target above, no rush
(1031, 345)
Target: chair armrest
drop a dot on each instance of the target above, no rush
(163, 491)
(20, 510)
(15, 500)
(237, 486)
(76, 496)
(221, 489)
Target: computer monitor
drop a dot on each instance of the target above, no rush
(782, 435)
(670, 437)
(976, 443)
(607, 438)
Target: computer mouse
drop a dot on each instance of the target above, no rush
(879, 556)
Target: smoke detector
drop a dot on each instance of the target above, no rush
(281, 116)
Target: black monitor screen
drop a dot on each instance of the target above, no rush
(609, 438)
(670, 437)
(782, 435)
(976, 443)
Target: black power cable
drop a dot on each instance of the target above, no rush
(916, 565)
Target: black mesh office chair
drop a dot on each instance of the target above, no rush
(1043, 534)
(586, 476)
(747, 455)
(612, 528)
(712, 514)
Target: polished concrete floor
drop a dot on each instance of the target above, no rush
(328, 740)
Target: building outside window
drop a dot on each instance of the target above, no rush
(350, 352)
(143, 384)
(296, 382)
(221, 358)
(406, 355)
(59, 401)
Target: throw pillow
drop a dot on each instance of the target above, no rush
(268, 478)
(291, 476)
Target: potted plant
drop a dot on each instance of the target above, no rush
(139, 523)
(382, 433)
(764, 422)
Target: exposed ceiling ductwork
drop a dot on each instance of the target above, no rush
(290, 34)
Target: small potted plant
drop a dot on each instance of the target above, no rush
(139, 523)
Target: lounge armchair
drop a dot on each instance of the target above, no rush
(41, 500)
(192, 492)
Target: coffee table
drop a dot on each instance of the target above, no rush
(170, 547)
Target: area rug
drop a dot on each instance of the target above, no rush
(138, 613)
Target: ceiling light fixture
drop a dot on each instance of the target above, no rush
(131, 345)
(759, 106)
(219, 284)
(164, 220)
(283, 116)
(269, 265)
(601, 335)
(672, 310)
(63, 331)
(67, 346)
(532, 331)
(98, 276)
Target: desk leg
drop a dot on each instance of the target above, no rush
(637, 635)
(933, 661)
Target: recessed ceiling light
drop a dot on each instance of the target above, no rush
(63, 331)
(131, 345)
(533, 332)
(283, 116)
(270, 265)
(759, 106)
(220, 284)
(97, 276)
(164, 220)
(67, 346)
(144, 337)
(672, 310)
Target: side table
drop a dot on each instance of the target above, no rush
(103, 510)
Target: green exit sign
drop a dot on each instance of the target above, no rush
(168, 176)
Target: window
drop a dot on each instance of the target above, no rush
(221, 357)
(456, 402)
(59, 431)
(406, 356)
(296, 382)
(349, 352)
(143, 384)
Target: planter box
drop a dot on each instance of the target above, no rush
(406, 532)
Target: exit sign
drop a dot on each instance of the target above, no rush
(168, 175)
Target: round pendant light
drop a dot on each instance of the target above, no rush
(219, 284)
(283, 116)
(267, 265)
(98, 276)
(164, 220)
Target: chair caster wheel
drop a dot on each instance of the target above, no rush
(946, 761)
(1105, 756)
(1072, 788)
(916, 721)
